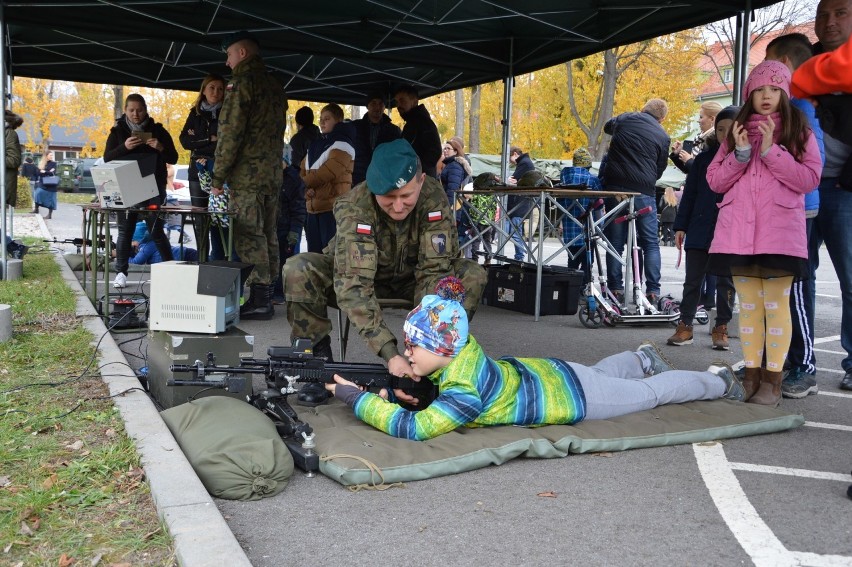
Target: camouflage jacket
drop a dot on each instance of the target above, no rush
(251, 130)
(372, 251)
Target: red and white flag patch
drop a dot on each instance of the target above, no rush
(364, 229)
(434, 216)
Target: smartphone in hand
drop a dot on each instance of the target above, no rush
(687, 146)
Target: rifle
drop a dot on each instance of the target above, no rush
(283, 368)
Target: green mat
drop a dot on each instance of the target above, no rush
(353, 453)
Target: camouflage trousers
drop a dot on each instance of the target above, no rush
(309, 289)
(255, 234)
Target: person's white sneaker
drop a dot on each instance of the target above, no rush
(120, 281)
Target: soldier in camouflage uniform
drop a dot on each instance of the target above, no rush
(248, 159)
(395, 239)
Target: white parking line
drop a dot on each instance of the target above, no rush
(835, 394)
(830, 351)
(829, 426)
(831, 370)
(746, 525)
(826, 295)
(816, 560)
(827, 339)
(791, 472)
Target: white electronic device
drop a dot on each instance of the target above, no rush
(120, 184)
(194, 298)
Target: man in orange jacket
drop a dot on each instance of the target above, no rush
(820, 78)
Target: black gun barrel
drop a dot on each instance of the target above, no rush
(217, 369)
(206, 383)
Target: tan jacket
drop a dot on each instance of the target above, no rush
(331, 178)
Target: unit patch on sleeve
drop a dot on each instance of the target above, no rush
(364, 229)
(434, 216)
(439, 243)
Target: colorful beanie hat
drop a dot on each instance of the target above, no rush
(439, 323)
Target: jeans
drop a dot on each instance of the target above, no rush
(647, 236)
(516, 229)
(319, 230)
(834, 227)
(802, 301)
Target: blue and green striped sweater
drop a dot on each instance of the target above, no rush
(477, 391)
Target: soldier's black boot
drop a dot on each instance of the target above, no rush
(259, 305)
(313, 394)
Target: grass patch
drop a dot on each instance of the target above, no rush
(76, 198)
(72, 490)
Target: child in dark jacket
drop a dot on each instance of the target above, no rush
(477, 391)
(694, 226)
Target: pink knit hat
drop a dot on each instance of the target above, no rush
(772, 73)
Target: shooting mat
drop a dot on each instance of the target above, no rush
(353, 453)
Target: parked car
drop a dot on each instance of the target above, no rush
(67, 175)
(83, 174)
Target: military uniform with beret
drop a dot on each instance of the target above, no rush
(376, 257)
(248, 158)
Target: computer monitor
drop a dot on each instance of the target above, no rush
(120, 184)
(195, 298)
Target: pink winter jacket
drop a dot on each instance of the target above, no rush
(763, 211)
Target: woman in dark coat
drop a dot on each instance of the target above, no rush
(135, 136)
(45, 193)
(199, 136)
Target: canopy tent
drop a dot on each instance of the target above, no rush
(328, 50)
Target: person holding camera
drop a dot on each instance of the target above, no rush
(684, 152)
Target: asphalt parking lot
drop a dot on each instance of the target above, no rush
(768, 500)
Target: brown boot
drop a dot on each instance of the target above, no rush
(751, 382)
(720, 337)
(769, 393)
(682, 336)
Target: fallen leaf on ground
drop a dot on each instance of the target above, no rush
(75, 446)
(50, 481)
(548, 494)
(65, 561)
(25, 530)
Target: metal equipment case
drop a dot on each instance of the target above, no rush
(166, 348)
(513, 287)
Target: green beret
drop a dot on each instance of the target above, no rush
(233, 38)
(393, 165)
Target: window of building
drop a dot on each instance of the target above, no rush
(727, 75)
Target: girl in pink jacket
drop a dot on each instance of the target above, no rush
(764, 168)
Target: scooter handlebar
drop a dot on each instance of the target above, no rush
(633, 215)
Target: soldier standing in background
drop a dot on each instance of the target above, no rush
(404, 213)
(248, 159)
